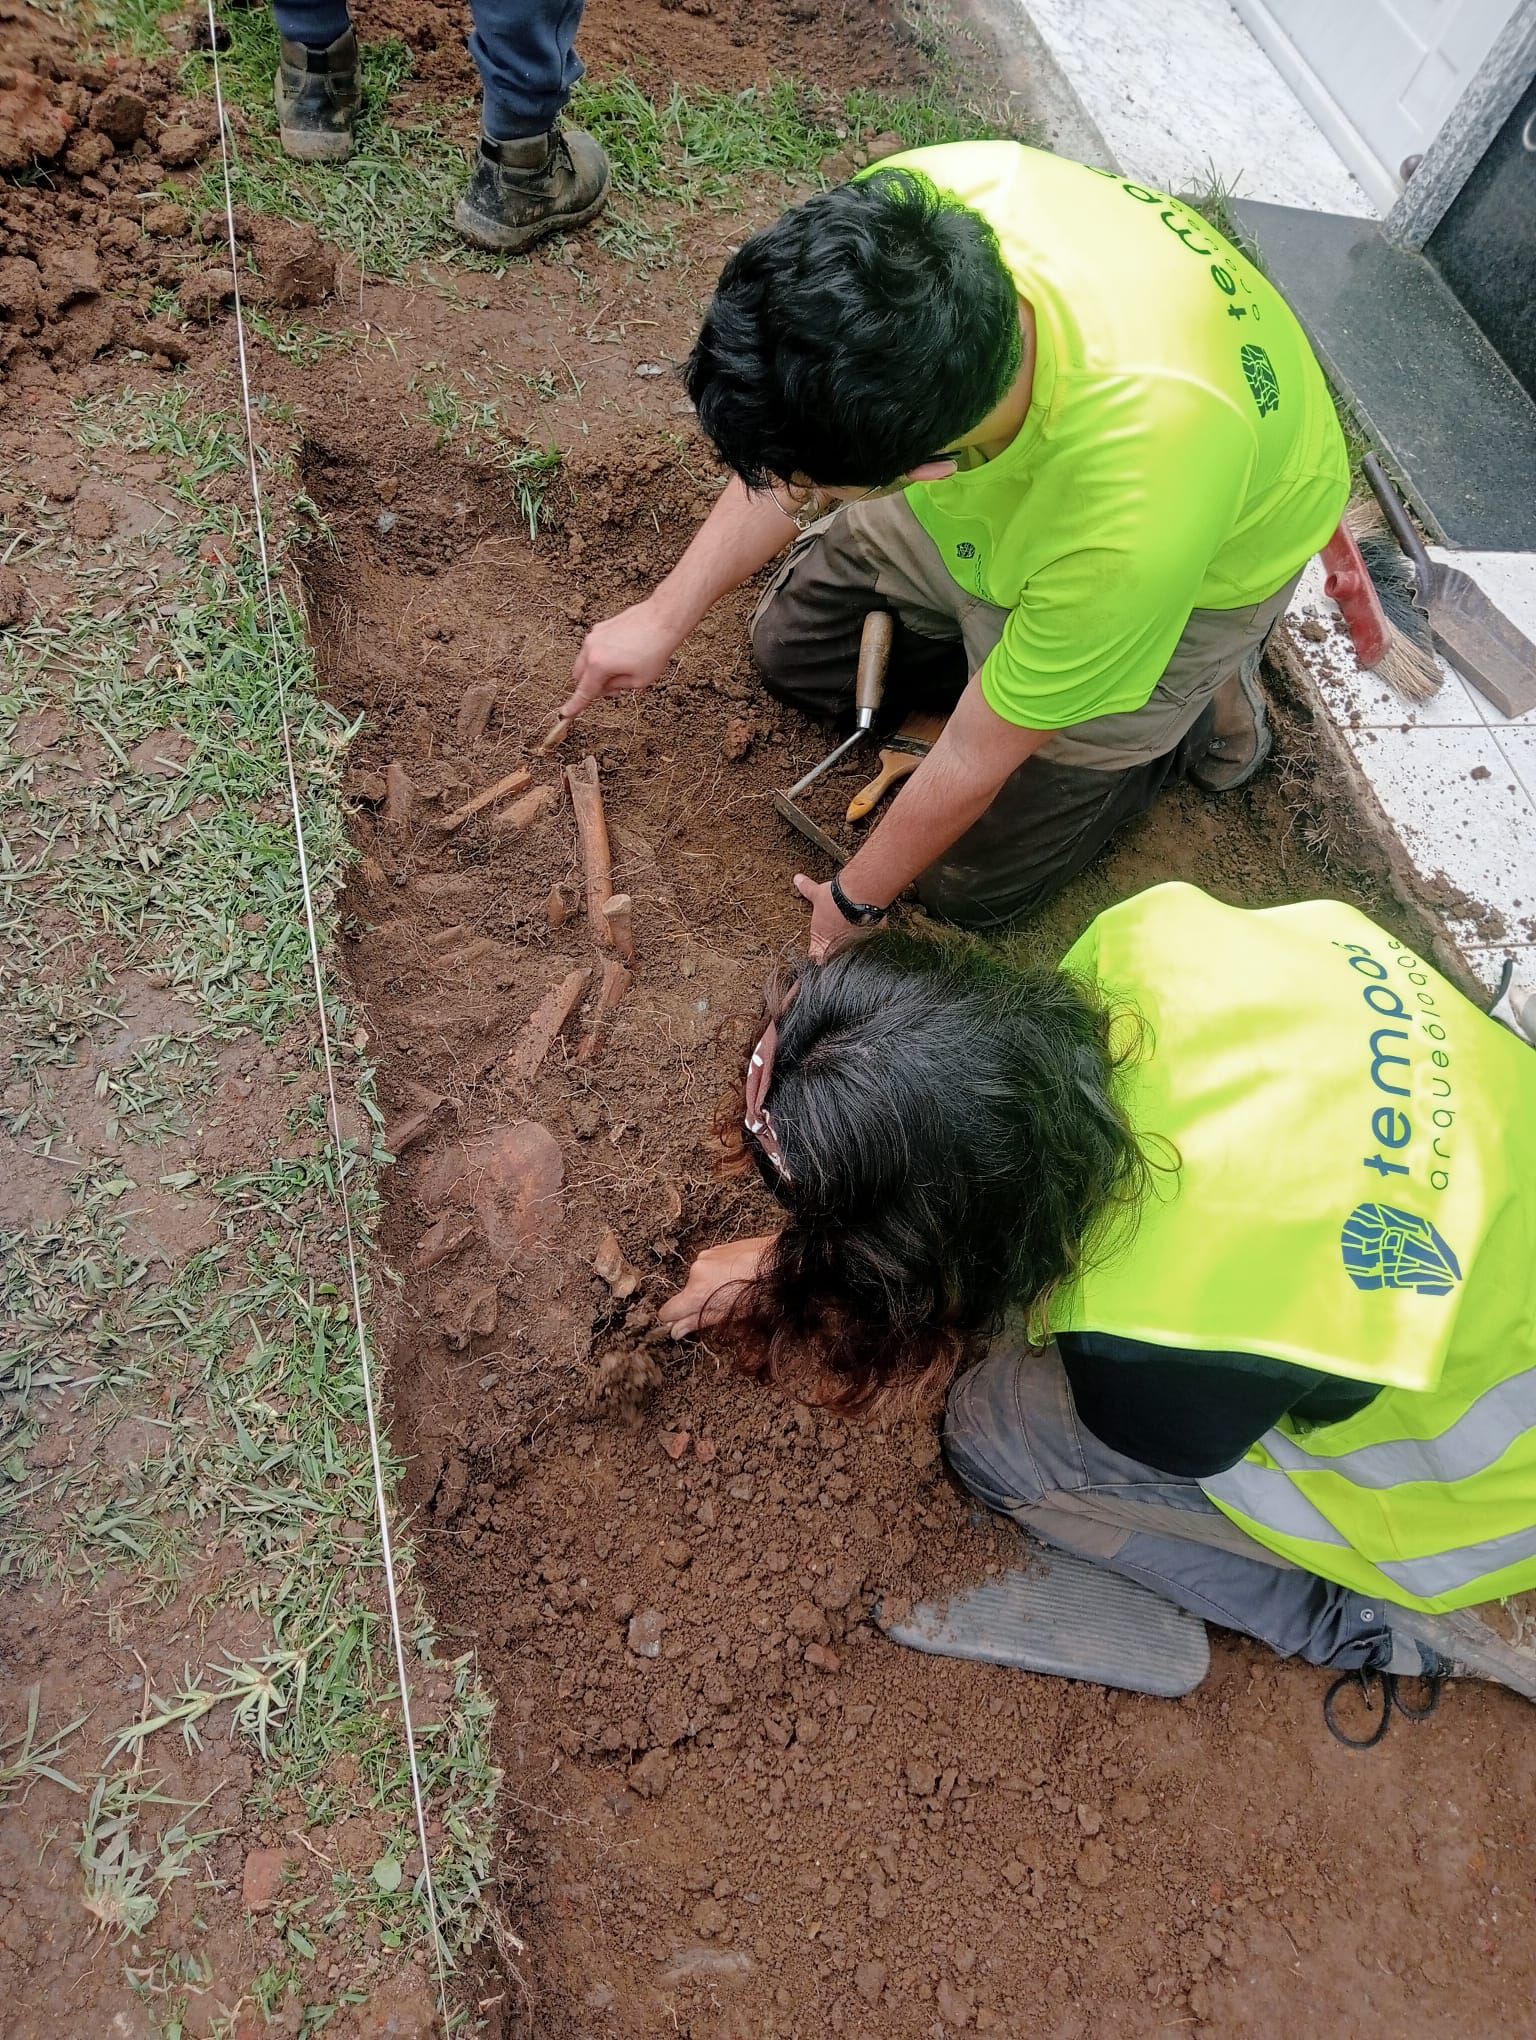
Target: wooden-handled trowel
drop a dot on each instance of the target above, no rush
(869, 690)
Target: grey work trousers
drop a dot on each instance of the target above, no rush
(1013, 1437)
(1057, 812)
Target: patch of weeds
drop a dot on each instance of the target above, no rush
(293, 342)
(472, 425)
(132, 25)
(197, 866)
(253, 1497)
(534, 470)
(1212, 199)
(26, 1757)
(126, 1878)
(695, 150)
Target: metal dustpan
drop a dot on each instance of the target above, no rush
(1476, 636)
(1060, 1614)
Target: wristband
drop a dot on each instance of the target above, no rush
(851, 910)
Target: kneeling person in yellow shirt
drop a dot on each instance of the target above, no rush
(1069, 437)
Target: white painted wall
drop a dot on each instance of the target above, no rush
(1378, 76)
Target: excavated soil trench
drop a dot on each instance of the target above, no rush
(779, 1824)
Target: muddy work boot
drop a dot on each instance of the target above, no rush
(1240, 739)
(521, 191)
(318, 93)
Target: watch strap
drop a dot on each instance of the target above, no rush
(862, 916)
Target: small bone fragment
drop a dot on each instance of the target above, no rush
(513, 782)
(557, 907)
(545, 1022)
(475, 1317)
(411, 1128)
(475, 712)
(617, 913)
(616, 982)
(611, 1265)
(413, 1123)
(525, 812)
(592, 832)
(399, 796)
(556, 737)
(441, 1239)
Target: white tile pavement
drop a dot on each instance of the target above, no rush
(1182, 92)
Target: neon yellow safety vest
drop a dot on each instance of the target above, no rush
(1356, 1192)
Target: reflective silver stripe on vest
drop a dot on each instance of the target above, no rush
(1273, 1499)
(1268, 1496)
(1451, 1570)
(1476, 1441)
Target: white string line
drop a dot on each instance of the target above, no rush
(317, 974)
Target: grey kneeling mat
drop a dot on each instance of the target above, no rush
(1058, 1613)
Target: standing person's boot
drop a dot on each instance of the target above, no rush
(521, 191)
(318, 93)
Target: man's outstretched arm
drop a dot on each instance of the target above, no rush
(952, 788)
(627, 652)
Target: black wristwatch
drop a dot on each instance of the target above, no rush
(861, 917)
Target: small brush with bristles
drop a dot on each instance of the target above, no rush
(1409, 665)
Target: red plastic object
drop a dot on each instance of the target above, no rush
(1350, 585)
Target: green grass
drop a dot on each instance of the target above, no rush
(390, 207)
(471, 423)
(241, 1362)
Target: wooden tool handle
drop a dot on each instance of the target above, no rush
(894, 765)
(874, 657)
(1397, 517)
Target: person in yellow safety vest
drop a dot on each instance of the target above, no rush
(1239, 1209)
(1075, 444)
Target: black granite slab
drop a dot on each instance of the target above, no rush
(1485, 247)
(1428, 388)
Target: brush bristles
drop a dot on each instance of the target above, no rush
(1409, 666)
(1409, 669)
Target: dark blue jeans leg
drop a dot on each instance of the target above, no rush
(525, 51)
(315, 23)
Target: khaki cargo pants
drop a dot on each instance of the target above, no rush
(1060, 808)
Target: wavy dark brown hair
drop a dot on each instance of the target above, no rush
(953, 1140)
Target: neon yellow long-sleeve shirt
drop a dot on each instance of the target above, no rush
(1181, 449)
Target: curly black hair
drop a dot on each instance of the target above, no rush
(953, 1139)
(858, 336)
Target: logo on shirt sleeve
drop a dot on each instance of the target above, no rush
(1385, 1248)
(1260, 372)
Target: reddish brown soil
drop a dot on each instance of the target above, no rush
(735, 1837)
